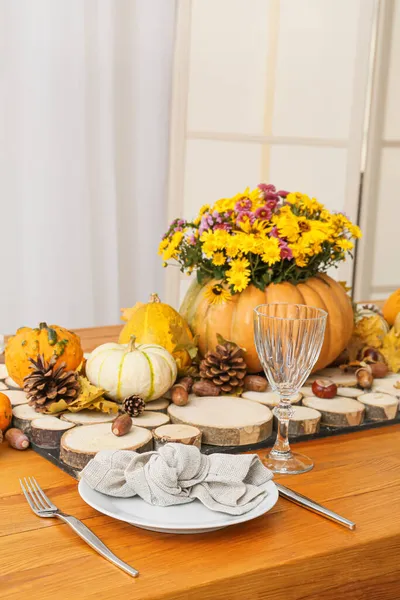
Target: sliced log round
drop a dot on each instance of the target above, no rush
(181, 434)
(346, 392)
(80, 444)
(23, 415)
(270, 399)
(379, 406)
(46, 432)
(87, 417)
(305, 421)
(337, 412)
(336, 375)
(3, 372)
(225, 420)
(159, 405)
(387, 386)
(150, 419)
(17, 397)
(11, 384)
(3, 386)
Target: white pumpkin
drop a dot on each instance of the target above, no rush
(123, 370)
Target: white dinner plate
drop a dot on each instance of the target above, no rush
(193, 517)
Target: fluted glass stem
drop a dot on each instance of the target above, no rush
(283, 413)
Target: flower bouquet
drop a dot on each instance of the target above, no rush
(262, 245)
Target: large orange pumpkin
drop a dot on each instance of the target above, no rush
(234, 319)
(44, 340)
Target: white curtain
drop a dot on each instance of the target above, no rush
(84, 111)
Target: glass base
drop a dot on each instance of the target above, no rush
(288, 464)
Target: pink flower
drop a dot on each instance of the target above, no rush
(271, 204)
(205, 223)
(263, 213)
(225, 226)
(244, 216)
(286, 252)
(243, 205)
(274, 232)
(191, 240)
(217, 216)
(266, 187)
(282, 193)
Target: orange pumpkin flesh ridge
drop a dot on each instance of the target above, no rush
(234, 319)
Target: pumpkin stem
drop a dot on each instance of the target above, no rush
(131, 343)
(43, 326)
(154, 298)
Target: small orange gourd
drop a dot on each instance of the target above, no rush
(5, 412)
(45, 340)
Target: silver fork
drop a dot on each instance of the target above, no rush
(43, 507)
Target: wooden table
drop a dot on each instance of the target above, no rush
(288, 554)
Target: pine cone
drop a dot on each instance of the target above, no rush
(225, 367)
(134, 406)
(47, 384)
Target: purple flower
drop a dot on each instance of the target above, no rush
(243, 205)
(217, 216)
(263, 213)
(286, 252)
(191, 240)
(205, 223)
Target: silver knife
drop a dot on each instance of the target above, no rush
(297, 498)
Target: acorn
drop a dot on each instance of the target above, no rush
(370, 354)
(365, 378)
(379, 370)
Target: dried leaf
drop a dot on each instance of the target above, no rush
(370, 331)
(391, 347)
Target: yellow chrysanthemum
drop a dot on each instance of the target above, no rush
(247, 242)
(217, 294)
(218, 259)
(232, 246)
(271, 251)
(163, 244)
(170, 250)
(344, 244)
(239, 265)
(224, 204)
(208, 243)
(202, 210)
(238, 280)
(287, 224)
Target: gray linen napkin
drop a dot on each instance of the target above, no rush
(178, 474)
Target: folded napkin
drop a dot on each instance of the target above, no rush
(178, 474)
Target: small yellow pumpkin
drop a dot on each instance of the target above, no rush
(45, 341)
(391, 308)
(159, 323)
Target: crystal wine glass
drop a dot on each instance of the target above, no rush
(288, 339)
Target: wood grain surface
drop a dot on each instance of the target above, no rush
(288, 554)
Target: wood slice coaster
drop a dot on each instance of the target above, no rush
(3, 386)
(181, 434)
(346, 392)
(386, 386)
(304, 421)
(270, 399)
(337, 412)
(379, 406)
(3, 372)
(17, 397)
(87, 417)
(46, 431)
(336, 375)
(159, 405)
(225, 420)
(80, 444)
(23, 415)
(150, 419)
(13, 385)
